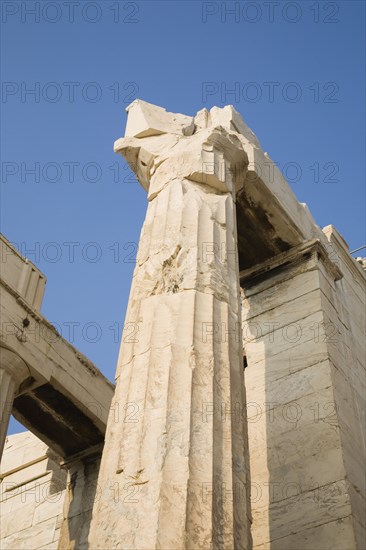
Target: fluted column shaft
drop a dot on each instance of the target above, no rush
(173, 472)
(174, 441)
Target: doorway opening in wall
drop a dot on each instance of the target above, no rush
(245, 362)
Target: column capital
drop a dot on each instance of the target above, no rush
(13, 364)
(206, 149)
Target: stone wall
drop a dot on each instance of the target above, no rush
(32, 495)
(46, 503)
(347, 355)
(303, 320)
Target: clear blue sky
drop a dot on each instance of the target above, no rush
(294, 70)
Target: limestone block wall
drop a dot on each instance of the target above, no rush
(45, 503)
(32, 495)
(302, 323)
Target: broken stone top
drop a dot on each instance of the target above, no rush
(145, 120)
(208, 148)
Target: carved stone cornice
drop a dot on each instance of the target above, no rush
(292, 257)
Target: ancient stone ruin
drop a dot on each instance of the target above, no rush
(237, 421)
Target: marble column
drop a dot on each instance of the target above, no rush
(13, 371)
(174, 470)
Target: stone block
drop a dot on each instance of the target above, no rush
(37, 536)
(337, 535)
(145, 119)
(306, 511)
